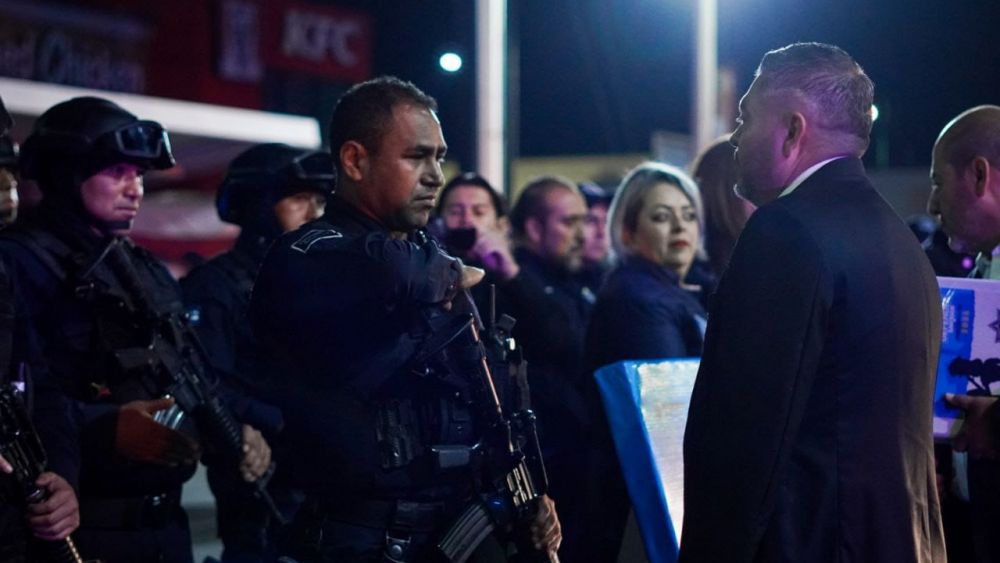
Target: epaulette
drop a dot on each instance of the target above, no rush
(307, 241)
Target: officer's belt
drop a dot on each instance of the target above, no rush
(149, 511)
(399, 515)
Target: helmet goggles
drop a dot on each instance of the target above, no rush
(315, 166)
(140, 140)
(308, 167)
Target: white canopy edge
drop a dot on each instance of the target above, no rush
(31, 98)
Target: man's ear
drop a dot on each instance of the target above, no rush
(534, 230)
(795, 123)
(354, 160)
(980, 169)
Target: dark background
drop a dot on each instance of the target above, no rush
(598, 76)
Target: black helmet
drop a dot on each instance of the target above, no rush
(86, 135)
(264, 174)
(8, 148)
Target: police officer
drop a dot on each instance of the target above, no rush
(269, 189)
(58, 515)
(91, 300)
(341, 309)
(8, 166)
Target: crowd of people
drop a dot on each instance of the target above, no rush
(343, 374)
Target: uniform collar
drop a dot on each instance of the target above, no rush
(344, 215)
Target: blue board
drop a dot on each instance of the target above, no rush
(646, 402)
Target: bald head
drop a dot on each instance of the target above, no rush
(965, 180)
(975, 132)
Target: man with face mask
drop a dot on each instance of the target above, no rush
(88, 301)
(269, 189)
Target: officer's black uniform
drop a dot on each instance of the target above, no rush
(342, 308)
(13, 531)
(74, 311)
(12, 528)
(217, 294)
(126, 507)
(552, 308)
(15, 546)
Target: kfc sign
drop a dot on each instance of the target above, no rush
(327, 41)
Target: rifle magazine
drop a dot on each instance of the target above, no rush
(473, 526)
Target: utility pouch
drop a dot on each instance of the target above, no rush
(397, 432)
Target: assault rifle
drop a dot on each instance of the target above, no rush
(20, 446)
(174, 363)
(508, 450)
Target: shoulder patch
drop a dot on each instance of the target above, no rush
(305, 243)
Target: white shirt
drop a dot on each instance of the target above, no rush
(988, 265)
(805, 175)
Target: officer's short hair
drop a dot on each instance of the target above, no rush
(364, 112)
(531, 202)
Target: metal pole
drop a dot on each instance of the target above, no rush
(491, 64)
(706, 75)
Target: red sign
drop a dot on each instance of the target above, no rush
(66, 45)
(323, 40)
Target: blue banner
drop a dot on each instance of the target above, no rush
(646, 403)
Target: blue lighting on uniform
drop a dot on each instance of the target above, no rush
(450, 62)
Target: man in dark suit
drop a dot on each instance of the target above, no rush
(809, 434)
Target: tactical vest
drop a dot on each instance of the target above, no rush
(95, 317)
(121, 291)
(395, 428)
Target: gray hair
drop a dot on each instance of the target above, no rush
(829, 80)
(623, 215)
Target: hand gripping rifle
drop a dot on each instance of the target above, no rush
(509, 449)
(174, 363)
(20, 446)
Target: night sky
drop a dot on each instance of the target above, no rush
(598, 76)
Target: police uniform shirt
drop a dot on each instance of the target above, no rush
(336, 310)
